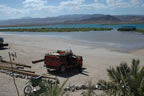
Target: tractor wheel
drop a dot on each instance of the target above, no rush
(80, 68)
(62, 69)
(28, 90)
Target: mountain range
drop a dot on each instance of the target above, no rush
(75, 19)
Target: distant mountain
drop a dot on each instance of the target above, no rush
(40, 21)
(99, 19)
(75, 19)
(131, 18)
(142, 19)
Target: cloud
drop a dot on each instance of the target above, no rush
(112, 4)
(142, 5)
(137, 3)
(9, 12)
(71, 2)
(35, 4)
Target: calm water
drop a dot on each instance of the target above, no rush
(122, 41)
(138, 26)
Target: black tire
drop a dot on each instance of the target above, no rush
(80, 69)
(28, 90)
(62, 69)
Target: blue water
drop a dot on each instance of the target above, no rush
(122, 41)
(111, 39)
(138, 26)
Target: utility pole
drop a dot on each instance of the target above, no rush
(12, 57)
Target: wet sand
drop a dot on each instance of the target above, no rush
(96, 60)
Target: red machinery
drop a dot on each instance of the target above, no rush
(62, 60)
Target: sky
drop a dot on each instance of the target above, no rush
(13, 9)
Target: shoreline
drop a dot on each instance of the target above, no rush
(76, 41)
(138, 51)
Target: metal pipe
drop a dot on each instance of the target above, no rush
(17, 64)
(37, 61)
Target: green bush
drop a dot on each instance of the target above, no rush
(56, 29)
(125, 80)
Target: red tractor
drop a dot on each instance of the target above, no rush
(62, 60)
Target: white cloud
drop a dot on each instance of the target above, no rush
(9, 12)
(112, 1)
(70, 5)
(90, 6)
(137, 3)
(71, 2)
(99, 1)
(112, 4)
(96, 0)
(35, 4)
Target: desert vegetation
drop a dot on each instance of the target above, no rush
(56, 29)
(125, 80)
(136, 30)
(140, 30)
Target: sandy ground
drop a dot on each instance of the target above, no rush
(96, 60)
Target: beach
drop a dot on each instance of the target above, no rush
(95, 59)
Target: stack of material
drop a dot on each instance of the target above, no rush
(19, 69)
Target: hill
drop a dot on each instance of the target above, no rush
(75, 19)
